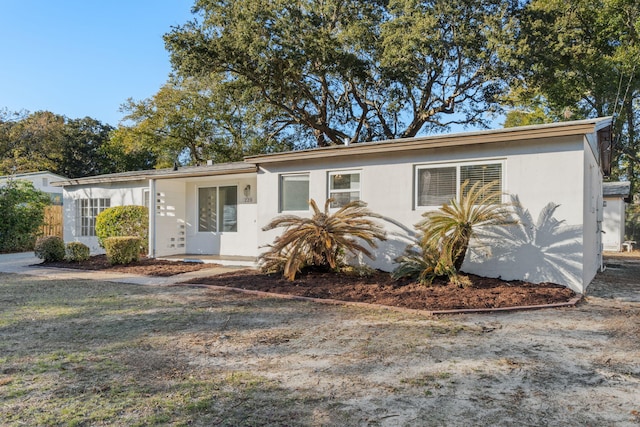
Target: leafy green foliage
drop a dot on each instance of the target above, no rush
(195, 120)
(50, 248)
(69, 147)
(130, 220)
(356, 69)
(451, 228)
(22, 214)
(422, 263)
(122, 249)
(447, 232)
(632, 223)
(77, 251)
(323, 240)
(579, 59)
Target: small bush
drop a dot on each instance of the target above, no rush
(76, 252)
(22, 212)
(49, 248)
(122, 249)
(423, 263)
(130, 220)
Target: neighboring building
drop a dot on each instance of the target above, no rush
(616, 196)
(221, 209)
(41, 181)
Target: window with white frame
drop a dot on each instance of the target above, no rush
(218, 209)
(437, 185)
(87, 211)
(294, 192)
(344, 187)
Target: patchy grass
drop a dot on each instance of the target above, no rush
(96, 353)
(91, 353)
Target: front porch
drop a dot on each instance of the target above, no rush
(226, 260)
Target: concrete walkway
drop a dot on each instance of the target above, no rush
(25, 263)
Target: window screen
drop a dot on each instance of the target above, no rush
(436, 186)
(483, 175)
(294, 192)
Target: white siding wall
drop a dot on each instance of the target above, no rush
(170, 217)
(613, 224)
(242, 242)
(539, 172)
(593, 215)
(120, 194)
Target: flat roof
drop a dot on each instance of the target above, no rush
(619, 188)
(550, 130)
(31, 175)
(181, 172)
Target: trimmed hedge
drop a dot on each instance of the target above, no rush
(49, 248)
(122, 249)
(118, 221)
(76, 252)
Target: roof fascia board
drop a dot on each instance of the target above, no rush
(154, 175)
(438, 141)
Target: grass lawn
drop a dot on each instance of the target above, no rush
(95, 353)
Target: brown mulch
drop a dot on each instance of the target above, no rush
(379, 288)
(145, 267)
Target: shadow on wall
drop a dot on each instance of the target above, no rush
(547, 250)
(399, 236)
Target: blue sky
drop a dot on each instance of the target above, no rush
(82, 57)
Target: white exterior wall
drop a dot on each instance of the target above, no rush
(613, 224)
(41, 181)
(537, 171)
(177, 218)
(242, 242)
(593, 213)
(120, 194)
(170, 218)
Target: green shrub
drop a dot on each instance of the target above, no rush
(122, 249)
(118, 221)
(22, 214)
(49, 248)
(76, 252)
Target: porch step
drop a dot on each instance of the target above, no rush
(227, 260)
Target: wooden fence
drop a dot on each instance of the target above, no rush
(52, 221)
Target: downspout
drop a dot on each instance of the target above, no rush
(152, 218)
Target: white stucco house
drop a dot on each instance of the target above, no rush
(616, 197)
(220, 209)
(41, 181)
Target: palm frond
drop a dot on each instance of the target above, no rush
(323, 239)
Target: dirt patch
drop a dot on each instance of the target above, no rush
(379, 288)
(144, 267)
(85, 352)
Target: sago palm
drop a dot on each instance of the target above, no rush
(322, 239)
(452, 227)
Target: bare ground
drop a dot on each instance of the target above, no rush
(112, 354)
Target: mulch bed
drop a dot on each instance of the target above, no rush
(379, 288)
(145, 267)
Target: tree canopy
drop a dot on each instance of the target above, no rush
(192, 121)
(330, 70)
(70, 147)
(579, 59)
